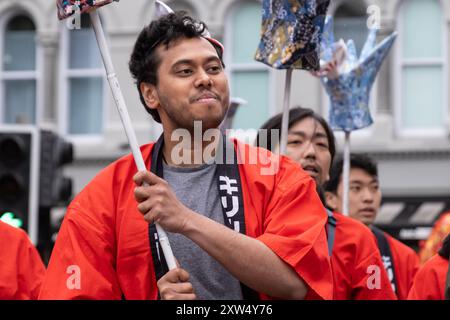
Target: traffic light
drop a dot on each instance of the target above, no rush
(19, 168)
(32, 180)
(54, 188)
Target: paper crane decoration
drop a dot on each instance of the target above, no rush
(350, 82)
(291, 33)
(67, 8)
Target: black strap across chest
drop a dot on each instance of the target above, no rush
(230, 194)
(386, 256)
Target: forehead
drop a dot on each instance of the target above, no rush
(309, 126)
(193, 49)
(358, 174)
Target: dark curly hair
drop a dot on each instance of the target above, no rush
(144, 61)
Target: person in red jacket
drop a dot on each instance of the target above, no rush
(431, 246)
(400, 261)
(21, 268)
(358, 271)
(230, 210)
(432, 281)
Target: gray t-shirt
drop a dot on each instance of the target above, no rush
(197, 189)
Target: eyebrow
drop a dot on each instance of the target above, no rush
(360, 182)
(303, 134)
(191, 61)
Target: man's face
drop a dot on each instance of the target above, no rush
(192, 85)
(307, 144)
(364, 196)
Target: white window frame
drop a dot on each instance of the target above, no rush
(35, 75)
(360, 134)
(401, 63)
(249, 66)
(65, 75)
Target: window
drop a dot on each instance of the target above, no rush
(350, 22)
(249, 79)
(421, 81)
(82, 81)
(18, 73)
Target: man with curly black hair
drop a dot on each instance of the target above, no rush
(234, 230)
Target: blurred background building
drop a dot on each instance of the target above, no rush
(51, 76)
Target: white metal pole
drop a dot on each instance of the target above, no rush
(286, 107)
(346, 174)
(126, 122)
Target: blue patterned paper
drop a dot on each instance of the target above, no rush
(67, 8)
(349, 93)
(291, 33)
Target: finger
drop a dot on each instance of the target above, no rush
(146, 177)
(150, 217)
(183, 275)
(182, 288)
(176, 275)
(175, 296)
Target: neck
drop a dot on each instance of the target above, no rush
(188, 150)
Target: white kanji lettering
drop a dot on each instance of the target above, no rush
(228, 184)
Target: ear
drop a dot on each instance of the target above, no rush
(331, 200)
(150, 95)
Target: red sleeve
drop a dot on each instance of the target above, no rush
(429, 282)
(294, 228)
(358, 270)
(370, 279)
(31, 269)
(82, 265)
(21, 267)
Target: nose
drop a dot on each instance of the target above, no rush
(309, 150)
(367, 195)
(203, 80)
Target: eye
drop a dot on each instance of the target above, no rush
(184, 72)
(215, 69)
(355, 188)
(295, 142)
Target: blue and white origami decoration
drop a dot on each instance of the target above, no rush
(291, 33)
(349, 84)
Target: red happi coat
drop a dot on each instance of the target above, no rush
(106, 238)
(21, 267)
(429, 282)
(355, 254)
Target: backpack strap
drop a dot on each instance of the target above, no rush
(331, 230)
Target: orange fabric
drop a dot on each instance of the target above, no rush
(106, 238)
(406, 264)
(434, 242)
(21, 267)
(355, 262)
(429, 283)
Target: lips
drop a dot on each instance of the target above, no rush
(206, 96)
(311, 169)
(367, 211)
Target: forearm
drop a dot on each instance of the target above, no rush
(248, 259)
